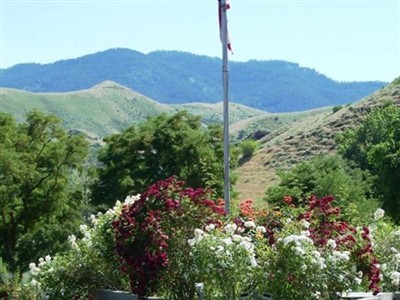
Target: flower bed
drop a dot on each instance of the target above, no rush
(171, 237)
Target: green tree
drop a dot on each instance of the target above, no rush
(161, 147)
(37, 159)
(327, 175)
(375, 146)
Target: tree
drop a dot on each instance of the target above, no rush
(161, 147)
(37, 159)
(327, 175)
(375, 146)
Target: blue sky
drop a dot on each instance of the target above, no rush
(343, 39)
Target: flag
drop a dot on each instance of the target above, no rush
(227, 6)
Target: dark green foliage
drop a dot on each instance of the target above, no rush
(37, 161)
(161, 147)
(178, 77)
(375, 146)
(327, 175)
(396, 81)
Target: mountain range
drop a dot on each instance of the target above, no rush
(174, 77)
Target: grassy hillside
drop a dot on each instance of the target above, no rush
(213, 113)
(109, 107)
(260, 126)
(304, 139)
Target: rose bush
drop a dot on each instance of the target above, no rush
(151, 237)
(386, 244)
(313, 253)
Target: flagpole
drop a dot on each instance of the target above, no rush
(225, 73)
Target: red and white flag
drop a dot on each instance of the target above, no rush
(221, 34)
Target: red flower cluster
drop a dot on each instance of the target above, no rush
(325, 223)
(288, 199)
(246, 209)
(146, 230)
(372, 269)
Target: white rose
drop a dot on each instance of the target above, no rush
(210, 227)
(249, 224)
(331, 243)
(261, 229)
(379, 213)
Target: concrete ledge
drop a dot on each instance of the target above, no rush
(113, 295)
(369, 296)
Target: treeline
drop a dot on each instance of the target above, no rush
(48, 188)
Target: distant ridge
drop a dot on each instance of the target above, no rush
(177, 77)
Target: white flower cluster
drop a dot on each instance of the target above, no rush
(231, 239)
(129, 200)
(318, 260)
(395, 277)
(198, 236)
(231, 228)
(72, 242)
(296, 239)
(331, 243)
(249, 224)
(338, 256)
(35, 269)
(261, 229)
(87, 237)
(210, 227)
(305, 224)
(392, 267)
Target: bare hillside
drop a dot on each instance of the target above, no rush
(302, 140)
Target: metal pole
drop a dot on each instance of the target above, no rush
(225, 70)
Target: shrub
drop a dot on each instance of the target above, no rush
(248, 147)
(386, 242)
(375, 146)
(315, 255)
(327, 175)
(336, 108)
(224, 259)
(90, 263)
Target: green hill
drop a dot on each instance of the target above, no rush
(259, 126)
(213, 113)
(109, 107)
(104, 109)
